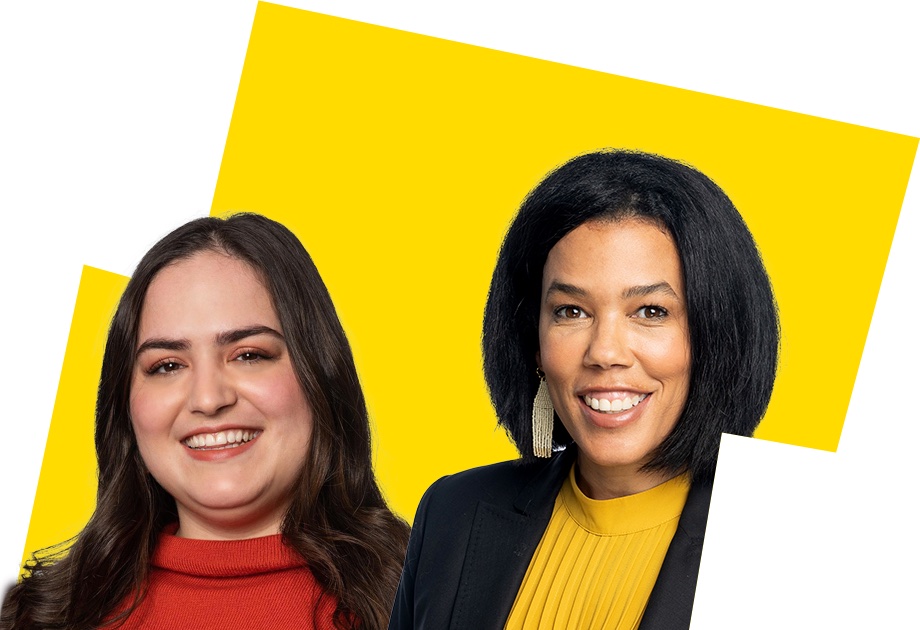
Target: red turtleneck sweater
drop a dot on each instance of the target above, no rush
(235, 584)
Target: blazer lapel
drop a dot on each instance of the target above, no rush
(502, 542)
(671, 601)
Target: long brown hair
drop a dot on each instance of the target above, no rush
(338, 520)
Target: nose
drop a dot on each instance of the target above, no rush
(211, 391)
(608, 345)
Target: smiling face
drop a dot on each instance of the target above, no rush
(615, 347)
(220, 418)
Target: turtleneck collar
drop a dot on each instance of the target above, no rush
(629, 514)
(224, 558)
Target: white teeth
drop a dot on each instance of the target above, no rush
(612, 406)
(222, 439)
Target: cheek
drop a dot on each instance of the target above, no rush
(561, 358)
(149, 426)
(148, 413)
(281, 393)
(561, 352)
(281, 399)
(668, 362)
(667, 359)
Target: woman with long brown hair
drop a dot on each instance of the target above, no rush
(235, 483)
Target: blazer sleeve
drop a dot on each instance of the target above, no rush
(403, 615)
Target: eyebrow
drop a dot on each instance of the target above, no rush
(232, 336)
(648, 289)
(568, 289)
(223, 338)
(632, 292)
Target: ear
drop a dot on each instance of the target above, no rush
(539, 361)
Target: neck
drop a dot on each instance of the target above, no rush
(192, 525)
(608, 482)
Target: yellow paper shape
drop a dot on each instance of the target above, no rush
(66, 491)
(399, 160)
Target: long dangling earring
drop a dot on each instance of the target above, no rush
(542, 420)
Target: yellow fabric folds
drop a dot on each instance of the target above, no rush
(598, 560)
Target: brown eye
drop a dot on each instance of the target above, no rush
(652, 312)
(251, 356)
(165, 367)
(569, 312)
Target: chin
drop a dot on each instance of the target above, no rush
(615, 456)
(224, 498)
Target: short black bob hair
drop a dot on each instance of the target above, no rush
(732, 316)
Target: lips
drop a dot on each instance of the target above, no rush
(231, 438)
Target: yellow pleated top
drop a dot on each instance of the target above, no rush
(597, 562)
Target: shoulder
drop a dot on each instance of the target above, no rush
(520, 485)
(696, 511)
(492, 483)
(445, 521)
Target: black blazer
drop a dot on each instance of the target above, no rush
(475, 533)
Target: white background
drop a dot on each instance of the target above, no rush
(113, 118)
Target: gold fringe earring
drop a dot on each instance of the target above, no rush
(542, 420)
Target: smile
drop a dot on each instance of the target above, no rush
(613, 405)
(222, 439)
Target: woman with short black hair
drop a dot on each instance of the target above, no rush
(630, 322)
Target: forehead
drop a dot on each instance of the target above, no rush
(615, 254)
(209, 291)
